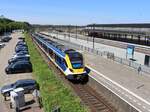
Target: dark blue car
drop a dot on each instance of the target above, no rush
(13, 60)
(27, 84)
(18, 49)
(19, 67)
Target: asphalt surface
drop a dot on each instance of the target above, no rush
(5, 55)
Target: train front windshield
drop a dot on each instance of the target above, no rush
(76, 60)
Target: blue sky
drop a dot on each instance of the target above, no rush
(78, 12)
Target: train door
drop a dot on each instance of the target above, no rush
(51, 54)
(147, 60)
(60, 61)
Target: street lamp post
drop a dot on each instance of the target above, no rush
(57, 34)
(69, 31)
(76, 31)
(93, 34)
(64, 35)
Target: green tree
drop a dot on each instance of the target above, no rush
(7, 25)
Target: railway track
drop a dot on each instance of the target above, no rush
(140, 49)
(114, 43)
(92, 99)
(123, 45)
(88, 96)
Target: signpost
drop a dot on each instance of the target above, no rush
(93, 34)
(130, 51)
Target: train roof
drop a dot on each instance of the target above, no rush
(55, 44)
(46, 39)
(69, 51)
(61, 47)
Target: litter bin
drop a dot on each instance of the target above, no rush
(17, 98)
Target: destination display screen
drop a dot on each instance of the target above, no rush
(130, 49)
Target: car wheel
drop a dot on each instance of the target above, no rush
(7, 94)
(5, 98)
(27, 70)
(30, 91)
(10, 105)
(8, 72)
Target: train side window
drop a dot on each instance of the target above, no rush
(58, 59)
(64, 61)
(53, 55)
(50, 52)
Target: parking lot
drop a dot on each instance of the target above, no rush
(5, 55)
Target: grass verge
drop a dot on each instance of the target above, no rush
(53, 91)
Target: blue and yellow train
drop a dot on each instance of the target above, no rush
(69, 61)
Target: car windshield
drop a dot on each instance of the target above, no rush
(20, 53)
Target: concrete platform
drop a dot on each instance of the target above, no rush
(119, 52)
(132, 87)
(122, 80)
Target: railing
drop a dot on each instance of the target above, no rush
(111, 56)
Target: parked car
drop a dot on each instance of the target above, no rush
(20, 54)
(6, 38)
(23, 58)
(27, 84)
(18, 49)
(21, 43)
(21, 38)
(2, 45)
(19, 67)
(25, 52)
(21, 46)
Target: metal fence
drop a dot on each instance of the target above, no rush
(111, 56)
